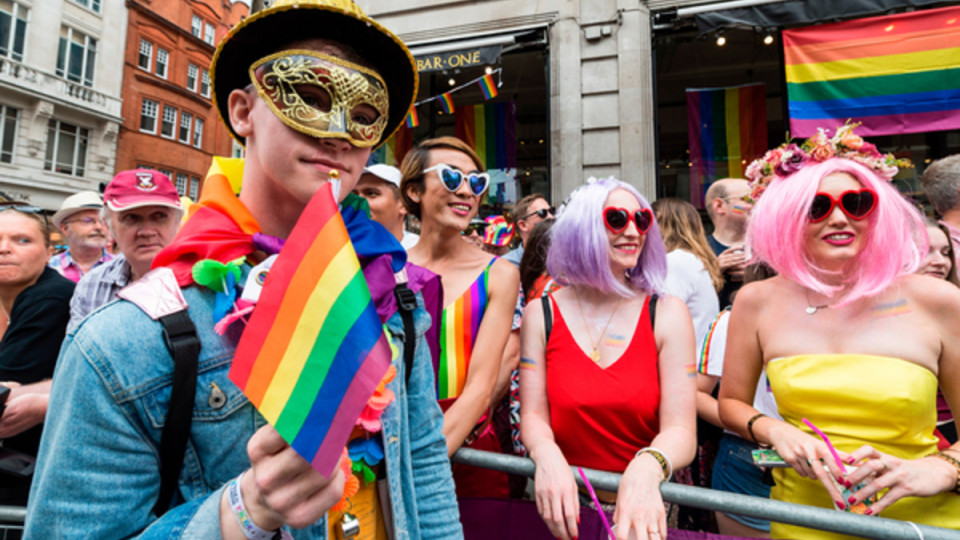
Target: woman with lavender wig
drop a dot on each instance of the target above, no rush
(596, 365)
(854, 344)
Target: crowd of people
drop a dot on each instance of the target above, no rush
(820, 321)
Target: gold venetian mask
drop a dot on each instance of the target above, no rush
(323, 96)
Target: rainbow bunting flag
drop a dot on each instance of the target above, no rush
(727, 129)
(394, 149)
(895, 74)
(491, 129)
(446, 103)
(412, 120)
(488, 87)
(314, 350)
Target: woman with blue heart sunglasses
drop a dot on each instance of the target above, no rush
(443, 185)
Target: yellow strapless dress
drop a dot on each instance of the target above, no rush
(855, 399)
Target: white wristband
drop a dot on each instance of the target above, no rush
(665, 465)
(250, 529)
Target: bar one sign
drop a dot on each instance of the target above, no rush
(479, 56)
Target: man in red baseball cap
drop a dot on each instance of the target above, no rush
(142, 211)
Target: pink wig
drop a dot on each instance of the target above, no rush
(892, 246)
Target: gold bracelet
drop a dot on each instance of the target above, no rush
(750, 422)
(956, 463)
(661, 458)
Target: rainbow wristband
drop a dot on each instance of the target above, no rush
(250, 529)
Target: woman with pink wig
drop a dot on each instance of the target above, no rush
(604, 379)
(854, 344)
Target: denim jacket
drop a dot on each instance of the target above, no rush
(98, 468)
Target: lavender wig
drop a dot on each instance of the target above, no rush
(778, 226)
(580, 250)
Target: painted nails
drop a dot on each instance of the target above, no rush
(868, 512)
(840, 505)
(851, 500)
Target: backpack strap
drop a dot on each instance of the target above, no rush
(652, 306)
(547, 317)
(159, 296)
(406, 304)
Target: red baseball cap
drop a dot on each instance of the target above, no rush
(140, 187)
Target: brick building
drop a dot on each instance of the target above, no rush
(170, 122)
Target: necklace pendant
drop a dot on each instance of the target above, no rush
(595, 356)
(812, 309)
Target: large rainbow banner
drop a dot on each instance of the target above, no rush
(395, 148)
(491, 129)
(314, 349)
(895, 74)
(727, 129)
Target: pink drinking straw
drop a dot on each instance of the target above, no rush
(596, 502)
(826, 440)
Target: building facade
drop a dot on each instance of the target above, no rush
(169, 120)
(60, 89)
(596, 106)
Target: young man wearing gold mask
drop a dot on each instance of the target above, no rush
(311, 87)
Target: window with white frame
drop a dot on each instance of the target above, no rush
(148, 116)
(205, 84)
(163, 58)
(76, 56)
(198, 132)
(194, 187)
(13, 29)
(169, 121)
(193, 73)
(236, 150)
(146, 55)
(185, 119)
(90, 4)
(208, 33)
(8, 132)
(66, 148)
(182, 182)
(167, 172)
(196, 26)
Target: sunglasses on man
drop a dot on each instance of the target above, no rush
(474, 228)
(541, 213)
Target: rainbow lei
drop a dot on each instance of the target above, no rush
(789, 158)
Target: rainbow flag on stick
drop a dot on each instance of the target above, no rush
(491, 129)
(314, 350)
(727, 129)
(488, 87)
(446, 103)
(895, 74)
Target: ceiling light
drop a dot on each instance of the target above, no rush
(488, 70)
(721, 39)
(452, 81)
(768, 39)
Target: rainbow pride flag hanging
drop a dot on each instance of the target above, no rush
(727, 129)
(412, 119)
(314, 350)
(446, 103)
(394, 149)
(491, 129)
(488, 87)
(895, 74)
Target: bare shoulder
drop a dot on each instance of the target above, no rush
(756, 294)
(936, 295)
(503, 273)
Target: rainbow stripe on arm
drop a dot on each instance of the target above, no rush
(314, 350)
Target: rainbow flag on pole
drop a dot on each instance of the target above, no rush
(491, 129)
(314, 350)
(446, 103)
(488, 87)
(895, 74)
(727, 129)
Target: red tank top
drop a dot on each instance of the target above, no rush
(601, 417)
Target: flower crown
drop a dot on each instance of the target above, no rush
(790, 158)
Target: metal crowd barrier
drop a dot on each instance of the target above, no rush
(11, 520)
(709, 499)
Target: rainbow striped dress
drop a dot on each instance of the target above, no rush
(459, 325)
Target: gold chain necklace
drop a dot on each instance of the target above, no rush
(595, 353)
